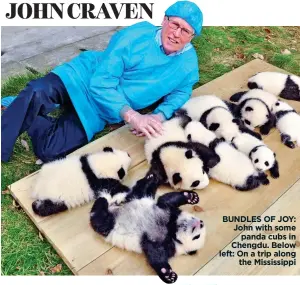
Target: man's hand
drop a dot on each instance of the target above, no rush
(149, 125)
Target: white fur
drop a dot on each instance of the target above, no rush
(196, 107)
(273, 82)
(289, 124)
(172, 132)
(267, 97)
(64, 180)
(257, 117)
(190, 170)
(262, 156)
(137, 217)
(234, 168)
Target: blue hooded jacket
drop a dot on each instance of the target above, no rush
(132, 71)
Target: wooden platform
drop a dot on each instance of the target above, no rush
(86, 254)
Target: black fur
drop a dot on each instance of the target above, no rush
(291, 90)
(286, 139)
(176, 178)
(46, 207)
(121, 173)
(254, 182)
(253, 85)
(280, 114)
(108, 149)
(232, 107)
(102, 220)
(213, 144)
(189, 154)
(237, 96)
(182, 114)
(274, 170)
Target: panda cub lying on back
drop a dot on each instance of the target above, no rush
(279, 84)
(234, 168)
(159, 229)
(75, 180)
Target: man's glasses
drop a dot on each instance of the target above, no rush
(185, 33)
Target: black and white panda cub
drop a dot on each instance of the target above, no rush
(288, 124)
(262, 157)
(180, 163)
(279, 84)
(215, 114)
(159, 229)
(234, 168)
(254, 108)
(70, 182)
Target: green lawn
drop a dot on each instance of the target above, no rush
(219, 49)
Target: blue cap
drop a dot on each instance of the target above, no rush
(189, 12)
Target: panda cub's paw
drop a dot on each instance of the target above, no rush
(168, 275)
(192, 197)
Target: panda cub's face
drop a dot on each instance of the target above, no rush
(254, 114)
(184, 168)
(263, 158)
(190, 232)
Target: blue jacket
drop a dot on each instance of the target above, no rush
(133, 71)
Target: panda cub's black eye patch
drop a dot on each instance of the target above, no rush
(108, 149)
(195, 183)
(189, 137)
(189, 154)
(267, 163)
(176, 178)
(249, 109)
(247, 122)
(256, 161)
(277, 104)
(196, 237)
(121, 173)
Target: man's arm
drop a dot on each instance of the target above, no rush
(178, 97)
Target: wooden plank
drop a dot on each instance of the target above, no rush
(287, 205)
(85, 253)
(217, 200)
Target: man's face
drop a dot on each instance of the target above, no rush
(174, 38)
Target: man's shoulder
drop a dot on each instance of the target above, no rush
(139, 29)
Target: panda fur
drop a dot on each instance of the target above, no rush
(70, 182)
(287, 122)
(181, 164)
(254, 108)
(159, 229)
(262, 157)
(234, 168)
(215, 114)
(279, 84)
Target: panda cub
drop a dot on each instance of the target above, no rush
(176, 161)
(234, 168)
(262, 157)
(254, 107)
(70, 182)
(215, 114)
(287, 122)
(159, 229)
(279, 84)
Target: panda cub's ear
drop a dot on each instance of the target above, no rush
(189, 154)
(214, 126)
(108, 149)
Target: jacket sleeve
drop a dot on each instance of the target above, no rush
(178, 97)
(106, 78)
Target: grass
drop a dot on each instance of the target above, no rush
(219, 49)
